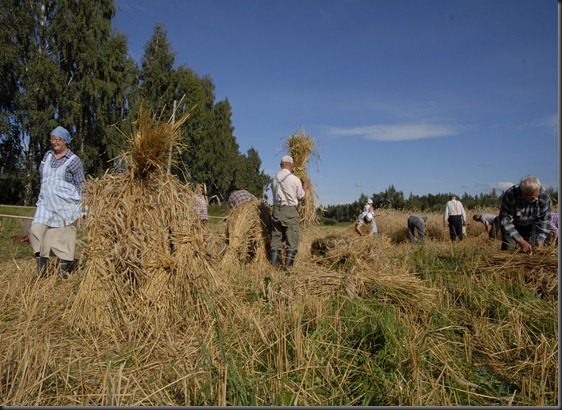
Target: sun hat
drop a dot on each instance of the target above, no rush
(61, 132)
(287, 159)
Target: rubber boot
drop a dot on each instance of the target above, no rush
(290, 258)
(66, 268)
(274, 257)
(41, 266)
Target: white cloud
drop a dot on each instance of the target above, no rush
(498, 186)
(550, 122)
(502, 186)
(398, 132)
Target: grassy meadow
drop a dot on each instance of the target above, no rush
(371, 321)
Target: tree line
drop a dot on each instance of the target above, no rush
(62, 63)
(393, 199)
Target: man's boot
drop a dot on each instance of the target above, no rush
(274, 257)
(41, 266)
(290, 258)
(66, 268)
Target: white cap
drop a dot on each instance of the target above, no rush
(370, 201)
(369, 217)
(287, 159)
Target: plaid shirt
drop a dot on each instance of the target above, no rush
(200, 206)
(554, 224)
(239, 196)
(515, 211)
(74, 172)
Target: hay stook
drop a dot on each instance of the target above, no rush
(145, 251)
(302, 148)
(248, 228)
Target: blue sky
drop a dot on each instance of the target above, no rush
(430, 96)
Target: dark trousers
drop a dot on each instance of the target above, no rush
(495, 230)
(416, 224)
(455, 227)
(527, 232)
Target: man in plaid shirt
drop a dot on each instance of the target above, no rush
(237, 196)
(525, 215)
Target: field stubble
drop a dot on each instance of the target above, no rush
(358, 321)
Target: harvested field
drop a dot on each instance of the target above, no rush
(163, 311)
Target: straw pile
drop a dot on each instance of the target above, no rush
(247, 232)
(151, 142)
(301, 147)
(351, 265)
(539, 268)
(310, 281)
(347, 252)
(145, 254)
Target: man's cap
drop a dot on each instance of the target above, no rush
(370, 201)
(287, 159)
(61, 133)
(369, 217)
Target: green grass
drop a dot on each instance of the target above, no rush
(10, 249)
(19, 211)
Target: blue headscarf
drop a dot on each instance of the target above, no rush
(61, 133)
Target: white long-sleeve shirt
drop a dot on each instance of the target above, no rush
(454, 207)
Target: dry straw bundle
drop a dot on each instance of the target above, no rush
(301, 147)
(310, 281)
(247, 232)
(347, 264)
(539, 268)
(145, 254)
(151, 142)
(348, 251)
